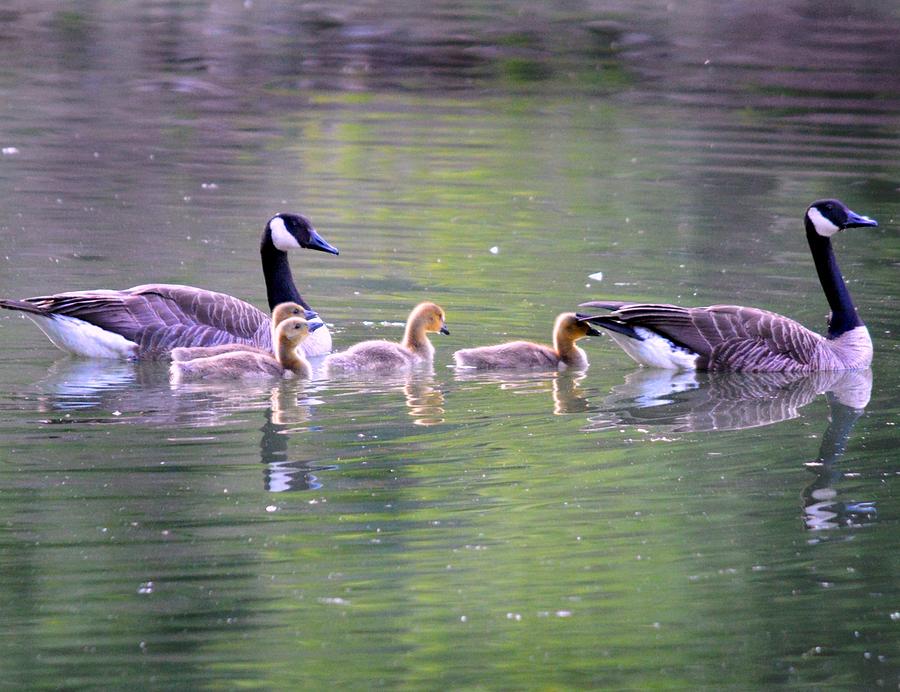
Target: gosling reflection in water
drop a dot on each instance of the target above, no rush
(821, 507)
(564, 386)
(698, 402)
(291, 416)
(424, 401)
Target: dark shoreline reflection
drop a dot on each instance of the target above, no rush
(698, 402)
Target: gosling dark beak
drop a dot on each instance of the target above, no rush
(313, 326)
(317, 242)
(854, 220)
(591, 331)
(444, 329)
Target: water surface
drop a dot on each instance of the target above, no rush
(617, 528)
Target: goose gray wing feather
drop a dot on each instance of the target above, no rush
(729, 337)
(159, 317)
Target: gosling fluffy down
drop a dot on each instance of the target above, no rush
(526, 355)
(388, 356)
(247, 365)
(280, 313)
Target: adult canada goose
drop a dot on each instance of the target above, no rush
(280, 313)
(150, 320)
(288, 359)
(387, 356)
(525, 354)
(730, 337)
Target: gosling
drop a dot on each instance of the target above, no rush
(388, 356)
(522, 355)
(288, 361)
(280, 313)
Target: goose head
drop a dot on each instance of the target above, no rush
(288, 231)
(828, 216)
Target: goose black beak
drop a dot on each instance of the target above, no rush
(593, 332)
(854, 220)
(317, 242)
(444, 330)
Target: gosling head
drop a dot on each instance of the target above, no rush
(288, 231)
(571, 328)
(431, 316)
(293, 330)
(284, 311)
(828, 216)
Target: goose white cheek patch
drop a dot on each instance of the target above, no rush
(281, 236)
(823, 226)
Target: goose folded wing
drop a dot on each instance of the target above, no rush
(163, 316)
(729, 336)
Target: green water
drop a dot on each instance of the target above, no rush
(619, 528)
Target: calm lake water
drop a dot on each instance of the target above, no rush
(619, 528)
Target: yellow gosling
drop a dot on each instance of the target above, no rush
(388, 356)
(281, 312)
(288, 361)
(524, 355)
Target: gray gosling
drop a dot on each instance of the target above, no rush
(288, 361)
(521, 355)
(388, 356)
(281, 312)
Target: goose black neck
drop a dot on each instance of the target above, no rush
(280, 286)
(843, 313)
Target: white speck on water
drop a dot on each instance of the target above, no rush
(271, 508)
(494, 250)
(895, 616)
(146, 587)
(596, 276)
(514, 616)
(563, 613)
(117, 413)
(463, 618)
(334, 601)
(9, 151)
(209, 186)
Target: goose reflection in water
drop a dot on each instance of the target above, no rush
(822, 508)
(698, 402)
